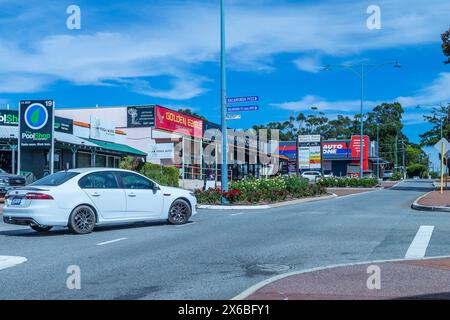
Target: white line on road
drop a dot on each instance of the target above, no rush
(239, 213)
(419, 245)
(10, 261)
(186, 224)
(111, 241)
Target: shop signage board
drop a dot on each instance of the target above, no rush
(355, 147)
(335, 150)
(9, 118)
(64, 125)
(233, 116)
(309, 152)
(161, 151)
(140, 116)
(36, 124)
(173, 121)
(102, 129)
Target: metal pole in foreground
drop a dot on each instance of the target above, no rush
(224, 171)
(361, 143)
(442, 167)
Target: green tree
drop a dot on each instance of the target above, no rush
(438, 114)
(189, 112)
(446, 45)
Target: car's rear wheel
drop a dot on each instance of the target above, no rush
(82, 220)
(179, 212)
(41, 228)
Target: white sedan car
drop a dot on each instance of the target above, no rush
(312, 176)
(83, 198)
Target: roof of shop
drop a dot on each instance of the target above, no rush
(117, 147)
(70, 138)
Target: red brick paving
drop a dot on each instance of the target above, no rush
(420, 279)
(435, 198)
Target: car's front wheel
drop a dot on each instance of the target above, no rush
(179, 212)
(41, 228)
(82, 220)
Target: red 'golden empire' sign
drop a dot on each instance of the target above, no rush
(177, 122)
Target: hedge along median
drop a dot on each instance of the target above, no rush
(262, 191)
(346, 182)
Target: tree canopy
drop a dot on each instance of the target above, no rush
(446, 45)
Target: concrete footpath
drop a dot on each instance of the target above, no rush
(433, 201)
(402, 279)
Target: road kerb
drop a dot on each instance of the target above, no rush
(421, 207)
(268, 206)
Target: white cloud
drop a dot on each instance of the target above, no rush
(159, 43)
(308, 64)
(437, 92)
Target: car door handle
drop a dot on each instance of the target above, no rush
(95, 194)
(132, 195)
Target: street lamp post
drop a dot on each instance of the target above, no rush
(223, 84)
(361, 74)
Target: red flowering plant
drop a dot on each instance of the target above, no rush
(233, 195)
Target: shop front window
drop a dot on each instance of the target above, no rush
(100, 161)
(84, 160)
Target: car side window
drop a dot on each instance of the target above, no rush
(134, 181)
(99, 180)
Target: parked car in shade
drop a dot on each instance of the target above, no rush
(312, 176)
(10, 181)
(387, 174)
(81, 199)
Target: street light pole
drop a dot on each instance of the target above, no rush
(361, 73)
(223, 84)
(361, 143)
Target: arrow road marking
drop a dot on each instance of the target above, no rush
(10, 261)
(419, 245)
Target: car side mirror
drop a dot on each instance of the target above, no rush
(156, 187)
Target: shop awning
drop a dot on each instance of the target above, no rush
(73, 140)
(122, 148)
(9, 132)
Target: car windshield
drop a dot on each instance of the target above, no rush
(55, 179)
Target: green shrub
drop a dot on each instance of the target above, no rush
(345, 182)
(434, 175)
(253, 190)
(167, 176)
(416, 170)
(211, 196)
(397, 176)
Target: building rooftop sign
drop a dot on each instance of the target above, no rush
(174, 121)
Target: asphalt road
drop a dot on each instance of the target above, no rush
(221, 253)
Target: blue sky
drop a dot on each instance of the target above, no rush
(167, 52)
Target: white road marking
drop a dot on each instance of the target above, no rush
(186, 224)
(10, 261)
(419, 245)
(239, 213)
(111, 241)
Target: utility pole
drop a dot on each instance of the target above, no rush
(396, 153)
(404, 160)
(223, 83)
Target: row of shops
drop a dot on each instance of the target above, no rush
(335, 157)
(103, 136)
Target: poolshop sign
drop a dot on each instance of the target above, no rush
(36, 120)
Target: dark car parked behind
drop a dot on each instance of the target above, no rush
(10, 181)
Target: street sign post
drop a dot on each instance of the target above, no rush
(242, 108)
(243, 99)
(233, 116)
(443, 146)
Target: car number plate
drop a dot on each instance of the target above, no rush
(16, 201)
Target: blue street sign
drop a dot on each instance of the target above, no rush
(242, 108)
(243, 99)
